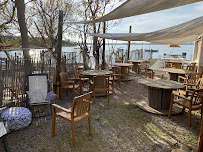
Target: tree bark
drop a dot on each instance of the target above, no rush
(20, 4)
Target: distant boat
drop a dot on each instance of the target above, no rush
(151, 50)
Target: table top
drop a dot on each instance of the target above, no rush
(178, 71)
(179, 61)
(96, 72)
(122, 64)
(159, 83)
(136, 61)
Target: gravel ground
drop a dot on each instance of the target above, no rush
(117, 126)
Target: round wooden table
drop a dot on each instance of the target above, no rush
(159, 92)
(92, 73)
(174, 73)
(135, 64)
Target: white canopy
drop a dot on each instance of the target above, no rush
(138, 7)
(179, 34)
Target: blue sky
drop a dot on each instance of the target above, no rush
(159, 20)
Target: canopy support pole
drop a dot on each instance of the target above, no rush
(130, 29)
(200, 56)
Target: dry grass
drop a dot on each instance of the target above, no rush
(117, 126)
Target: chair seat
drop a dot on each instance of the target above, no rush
(186, 104)
(70, 86)
(115, 78)
(67, 116)
(85, 79)
(100, 89)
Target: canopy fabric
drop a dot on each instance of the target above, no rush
(138, 7)
(179, 34)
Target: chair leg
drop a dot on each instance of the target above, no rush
(53, 124)
(170, 108)
(73, 92)
(90, 129)
(94, 97)
(183, 110)
(108, 96)
(119, 82)
(189, 118)
(73, 133)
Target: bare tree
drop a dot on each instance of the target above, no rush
(93, 9)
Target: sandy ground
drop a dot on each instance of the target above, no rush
(117, 126)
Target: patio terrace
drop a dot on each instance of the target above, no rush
(117, 126)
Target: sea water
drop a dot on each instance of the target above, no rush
(112, 48)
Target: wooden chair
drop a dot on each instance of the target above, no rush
(150, 74)
(69, 83)
(190, 80)
(200, 141)
(125, 72)
(188, 92)
(168, 65)
(116, 76)
(78, 75)
(118, 61)
(194, 102)
(142, 66)
(101, 84)
(79, 111)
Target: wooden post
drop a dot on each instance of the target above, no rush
(129, 43)
(103, 53)
(59, 48)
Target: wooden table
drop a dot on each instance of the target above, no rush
(122, 64)
(174, 73)
(135, 64)
(92, 73)
(159, 92)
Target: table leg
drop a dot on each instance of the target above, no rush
(173, 76)
(5, 143)
(159, 99)
(135, 66)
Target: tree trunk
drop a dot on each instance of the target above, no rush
(103, 53)
(23, 28)
(20, 4)
(96, 50)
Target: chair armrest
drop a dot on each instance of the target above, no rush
(181, 77)
(175, 93)
(74, 79)
(61, 108)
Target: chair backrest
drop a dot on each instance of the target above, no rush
(190, 67)
(38, 84)
(118, 61)
(144, 64)
(63, 77)
(199, 84)
(149, 73)
(125, 70)
(193, 77)
(81, 105)
(197, 97)
(168, 65)
(116, 70)
(77, 71)
(101, 81)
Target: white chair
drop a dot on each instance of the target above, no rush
(37, 87)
